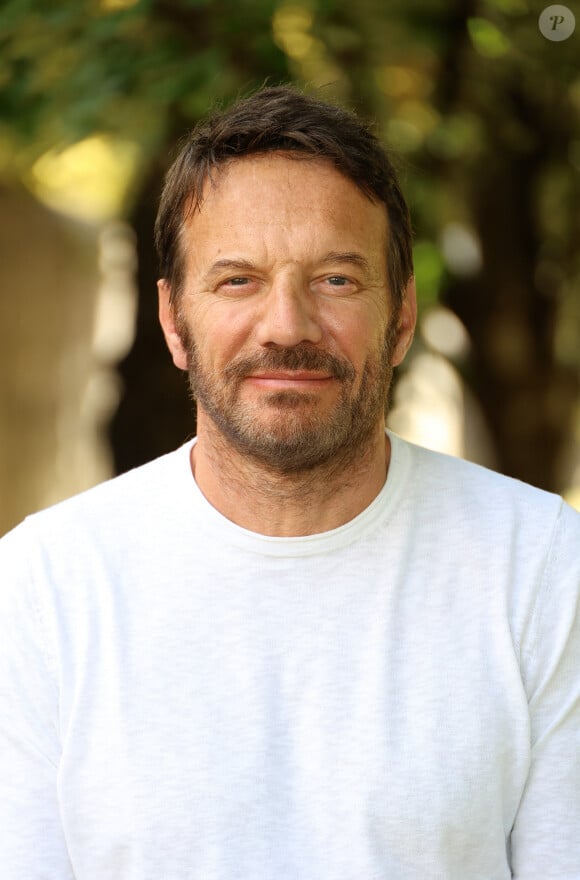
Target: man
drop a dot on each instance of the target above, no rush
(297, 648)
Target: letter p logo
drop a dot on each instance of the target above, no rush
(557, 23)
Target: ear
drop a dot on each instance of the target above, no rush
(407, 322)
(167, 319)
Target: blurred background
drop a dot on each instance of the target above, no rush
(481, 108)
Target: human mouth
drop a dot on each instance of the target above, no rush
(290, 379)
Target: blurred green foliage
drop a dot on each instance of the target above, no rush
(481, 108)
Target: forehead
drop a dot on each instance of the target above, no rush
(293, 204)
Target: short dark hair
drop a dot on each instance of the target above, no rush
(281, 118)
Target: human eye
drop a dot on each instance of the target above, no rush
(237, 284)
(237, 281)
(337, 281)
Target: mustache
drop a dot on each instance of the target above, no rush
(300, 357)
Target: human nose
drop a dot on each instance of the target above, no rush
(289, 314)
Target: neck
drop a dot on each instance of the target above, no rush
(283, 505)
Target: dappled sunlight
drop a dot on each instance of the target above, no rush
(429, 407)
(432, 406)
(444, 333)
(89, 179)
(292, 32)
(484, 111)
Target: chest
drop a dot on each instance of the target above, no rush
(383, 724)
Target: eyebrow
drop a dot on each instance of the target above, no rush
(239, 265)
(351, 257)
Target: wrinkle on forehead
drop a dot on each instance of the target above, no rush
(254, 163)
(260, 198)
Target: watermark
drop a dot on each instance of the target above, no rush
(557, 23)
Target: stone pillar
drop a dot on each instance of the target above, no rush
(57, 389)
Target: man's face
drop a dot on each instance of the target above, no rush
(285, 322)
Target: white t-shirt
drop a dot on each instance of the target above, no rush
(399, 698)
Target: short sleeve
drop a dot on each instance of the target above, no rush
(545, 840)
(32, 845)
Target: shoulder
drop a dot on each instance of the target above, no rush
(129, 503)
(475, 492)
(511, 540)
(500, 523)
